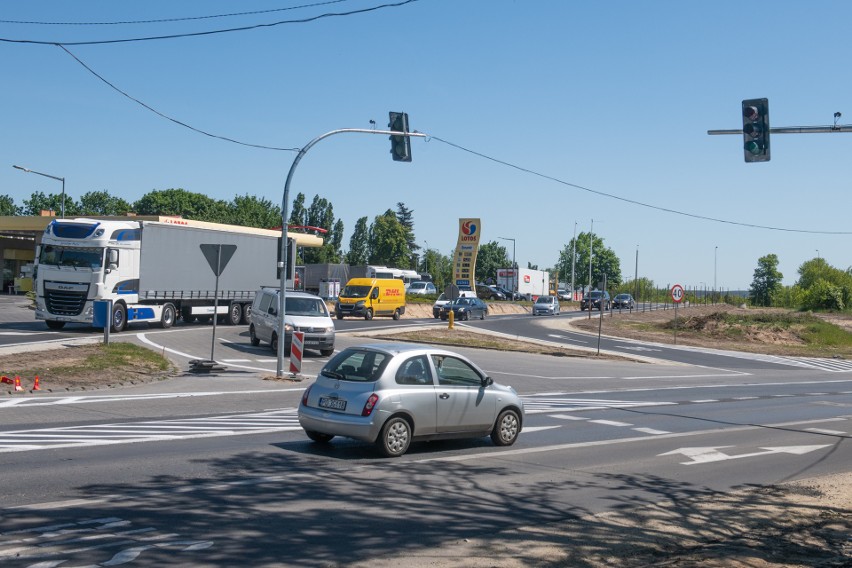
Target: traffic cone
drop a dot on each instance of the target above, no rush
(36, 385)
(18, 386)
(7, 380)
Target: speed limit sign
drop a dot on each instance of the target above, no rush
(677, 293)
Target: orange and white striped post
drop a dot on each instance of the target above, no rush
(297, 345)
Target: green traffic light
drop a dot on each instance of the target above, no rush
(753, 147)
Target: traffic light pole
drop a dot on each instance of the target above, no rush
(792, 130)
(282, 293)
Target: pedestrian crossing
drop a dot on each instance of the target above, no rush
(149, 431)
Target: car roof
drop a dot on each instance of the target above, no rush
(291, 293)
(395, 349)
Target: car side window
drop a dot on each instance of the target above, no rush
(265, 301)
(455, 372)
(415, 371)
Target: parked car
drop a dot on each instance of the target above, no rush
(623, 301)
(546, 305)
(489, 292)
(563, 295)
(421, 289)
(393, 394)
(594, 300)
(508, 293)
(465, 308)
(302, 312)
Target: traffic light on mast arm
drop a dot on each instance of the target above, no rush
(756, 130)
(400, 145)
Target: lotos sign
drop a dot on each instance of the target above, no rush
(464, 261)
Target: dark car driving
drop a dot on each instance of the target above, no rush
(596, 300)
(465, 308)
(623, 301)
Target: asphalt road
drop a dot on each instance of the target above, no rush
(215, 471)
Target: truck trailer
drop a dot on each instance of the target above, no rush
(153, 271)
(525, 281)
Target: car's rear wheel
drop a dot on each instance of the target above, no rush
(396, 314)
(507, 428)
(395, 437)
(319, 437)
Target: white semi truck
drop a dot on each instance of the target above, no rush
(153, 271)
(525, 281)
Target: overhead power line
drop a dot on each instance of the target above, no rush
(639, 203)
(169, 118)
(212, 32)
(169, 20)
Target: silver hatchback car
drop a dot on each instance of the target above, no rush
(394, 394)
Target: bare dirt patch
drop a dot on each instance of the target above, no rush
(703, 326)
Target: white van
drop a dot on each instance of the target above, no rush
(303, 312)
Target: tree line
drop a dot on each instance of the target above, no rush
(820, 286)
(388, 240)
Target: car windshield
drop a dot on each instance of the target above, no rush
(355, 291)
(596, 294)
(463, 302)
(356, 364)
(622, 297)
(312, 307)
(544, 300)
(417, 285)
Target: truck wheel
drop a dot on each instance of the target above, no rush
(235, 314)
(396, 314)
(369, 314)
(52, 324)
(167, 318)
(246, 314)
(119, 318)
(339, 316)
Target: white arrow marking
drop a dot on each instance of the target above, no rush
(565, 338)
(712, 454)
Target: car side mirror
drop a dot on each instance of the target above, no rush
(487, 381)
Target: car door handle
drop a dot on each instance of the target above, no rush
(444, 396)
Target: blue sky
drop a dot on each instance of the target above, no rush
(613, 97)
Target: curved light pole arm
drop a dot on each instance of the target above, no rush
(282, 292)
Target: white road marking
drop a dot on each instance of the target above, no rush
(651, 431)
(610, 423)
(712, 454)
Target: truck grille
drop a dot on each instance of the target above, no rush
(64, 303)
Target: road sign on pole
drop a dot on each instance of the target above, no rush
(677, 293)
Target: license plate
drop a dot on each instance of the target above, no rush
(332, 403)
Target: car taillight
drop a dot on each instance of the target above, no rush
(305, 396)
(370, 405)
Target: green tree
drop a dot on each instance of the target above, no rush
(405, 216)
(604, 261)
(101, 203)
(359, 244)
(39, 202)
(249, 211)
(8, 207)
(824, 287)
(388, 245)
(298, 213)
(186, 204)
(766, 282)
(321, 215)
(491, 256)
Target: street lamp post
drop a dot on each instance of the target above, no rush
(426, 258)
(573, 259)
(62, 179)
(715, 257)
(514, 270)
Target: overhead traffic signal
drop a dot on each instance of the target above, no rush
(400, 145)
(756, 130)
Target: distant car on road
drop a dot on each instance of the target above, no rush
(489, 292)
(465, 308)
(623, 301)
(508, 293)
(421, 289)
(391, 395)
(546, 306)
(596, 300)
(563, 295)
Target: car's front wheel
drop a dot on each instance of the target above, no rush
(507, 428)
(255, 340)
(395, 437)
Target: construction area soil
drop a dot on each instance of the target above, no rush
(797, 524)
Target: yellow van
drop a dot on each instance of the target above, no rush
(368, 297)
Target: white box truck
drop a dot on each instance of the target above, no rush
(527, 282)
(153, 271)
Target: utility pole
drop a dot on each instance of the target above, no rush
(573, 259)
